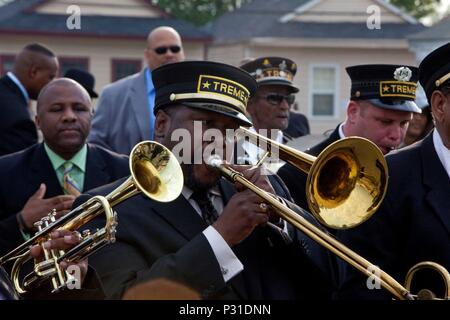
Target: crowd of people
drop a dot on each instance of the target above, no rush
(218, 239)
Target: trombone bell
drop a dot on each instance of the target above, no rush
(347, 183)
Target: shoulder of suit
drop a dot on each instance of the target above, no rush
(127, 81)
(17, 159)
(107, 153)
(404, 159)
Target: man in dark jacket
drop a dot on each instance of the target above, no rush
(217, 238)
(378, 110)
(51, 174)
(33, 68)
(413, 223)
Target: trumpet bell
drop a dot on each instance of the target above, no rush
(347, 183)
(156, 171)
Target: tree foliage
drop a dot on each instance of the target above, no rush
(200, 12)
(417, 8)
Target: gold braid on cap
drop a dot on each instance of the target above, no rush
(442, 80)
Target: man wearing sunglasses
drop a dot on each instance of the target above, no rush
(124, 114)
(269, 108)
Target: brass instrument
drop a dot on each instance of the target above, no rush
(155, 172)
(349, 176)
(351, 165)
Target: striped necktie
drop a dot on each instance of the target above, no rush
(70, 186)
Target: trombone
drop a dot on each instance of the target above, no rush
(349, 176)
(155, 172)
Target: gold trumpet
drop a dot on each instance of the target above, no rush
(346, 184)
(155, 172)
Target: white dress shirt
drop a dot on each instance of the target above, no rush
(228, 262)
(442, 151)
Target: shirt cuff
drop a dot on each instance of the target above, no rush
(228, 262)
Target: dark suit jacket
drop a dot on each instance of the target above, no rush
(23, 172)
(165, 240)
(17, 129)
(295, 181)
(298, 126)
(412, 225)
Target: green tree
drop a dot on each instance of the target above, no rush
(417, 8)
(198, 12)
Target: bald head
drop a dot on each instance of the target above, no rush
(163, 46)
(35, 66)
(61, 84)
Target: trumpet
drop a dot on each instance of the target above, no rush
(155, 172)
(346, 184)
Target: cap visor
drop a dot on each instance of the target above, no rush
(217, 108)
(405, 105)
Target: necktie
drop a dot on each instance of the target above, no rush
(69, 184)
(209, 213)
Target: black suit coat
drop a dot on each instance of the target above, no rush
(295, 181)
(165, 240)
(17, 129)
(412, 225)
(23, 172)
(298, 126)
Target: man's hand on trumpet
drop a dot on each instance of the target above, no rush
(62, 240)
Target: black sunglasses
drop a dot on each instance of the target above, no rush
(163, 50)
(276, 99)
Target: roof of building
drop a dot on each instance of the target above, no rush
(266, 18)
(21, 17)
(440, 31)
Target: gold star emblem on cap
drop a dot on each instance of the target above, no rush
(385, 89)
(206, 85)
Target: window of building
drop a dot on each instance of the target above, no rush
(323, 91)
(122, 68)
(6, 64)
(66, 63)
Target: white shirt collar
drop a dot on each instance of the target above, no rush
(442, 151)
(341, 131)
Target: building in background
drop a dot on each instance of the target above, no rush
(322, 37)
(424, 42)
(110, 42)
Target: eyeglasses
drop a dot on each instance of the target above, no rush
(276, 99)
(163, 50)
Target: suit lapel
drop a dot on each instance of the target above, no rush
(96, 174)
(437, 180)
(183, 217)
(139, 103)
(42, 171)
